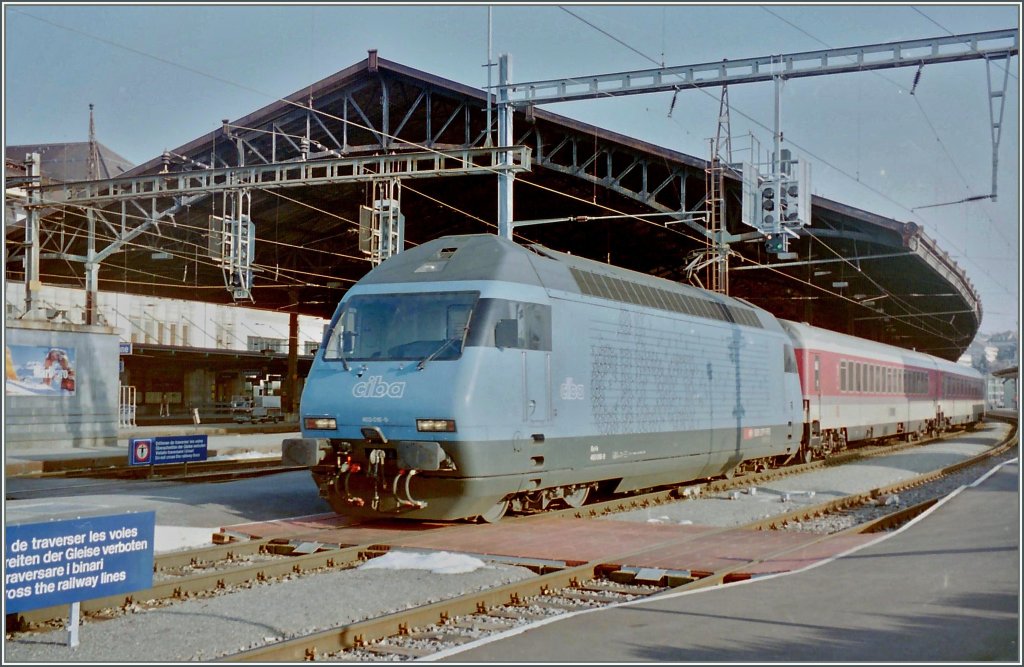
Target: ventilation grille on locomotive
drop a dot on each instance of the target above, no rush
(616, 289)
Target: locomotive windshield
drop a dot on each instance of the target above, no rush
(433, 325)
(395, 327)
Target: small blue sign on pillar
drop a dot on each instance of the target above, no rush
(63, 562)
(168, 449)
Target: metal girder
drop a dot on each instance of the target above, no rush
(576, 163)
(969, 46)
(461, 162)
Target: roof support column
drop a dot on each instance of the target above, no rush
(92, 271)
(505, 176)
(31, 258)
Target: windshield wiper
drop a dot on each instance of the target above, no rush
(444, 346)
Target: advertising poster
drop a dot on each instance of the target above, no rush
(34, 370)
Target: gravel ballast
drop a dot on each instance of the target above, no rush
(205, 629)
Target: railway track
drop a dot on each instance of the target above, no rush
(428, 630)
(96, 479)
(560, 587)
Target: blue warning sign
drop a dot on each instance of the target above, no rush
(168, 449)
(60, 562)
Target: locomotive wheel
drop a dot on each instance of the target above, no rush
(494, 514)
(577, 498)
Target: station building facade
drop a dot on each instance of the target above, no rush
(189, 354)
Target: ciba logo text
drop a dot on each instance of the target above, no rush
(376, 387)
(569, 391)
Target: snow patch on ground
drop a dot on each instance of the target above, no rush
(175, 538)
(439, 563)
(235, 455)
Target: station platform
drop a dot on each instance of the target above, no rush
(944, 588)
(224, 439)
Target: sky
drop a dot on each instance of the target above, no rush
(161, 76)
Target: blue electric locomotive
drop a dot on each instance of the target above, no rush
(470, 374)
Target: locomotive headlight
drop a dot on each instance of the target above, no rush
(436, 425)
(320, 423)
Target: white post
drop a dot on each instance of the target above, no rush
(73, 624)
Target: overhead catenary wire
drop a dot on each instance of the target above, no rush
(820, 158)
(922, 313)
(313, 110)
(210, 263)
(931, 125)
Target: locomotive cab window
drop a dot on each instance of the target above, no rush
(392, 327)
(510, 324)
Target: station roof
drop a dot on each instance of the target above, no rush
(854, 272)
(70, 161)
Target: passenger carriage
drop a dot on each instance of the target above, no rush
(856, 389)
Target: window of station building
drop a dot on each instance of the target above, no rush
(262, 344)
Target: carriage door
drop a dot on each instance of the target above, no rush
(526, 327)
(536, 384)
(817, 386)
(535, 329)
(812, 391)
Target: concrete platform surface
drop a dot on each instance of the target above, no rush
(944, 588)
(225, 439)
